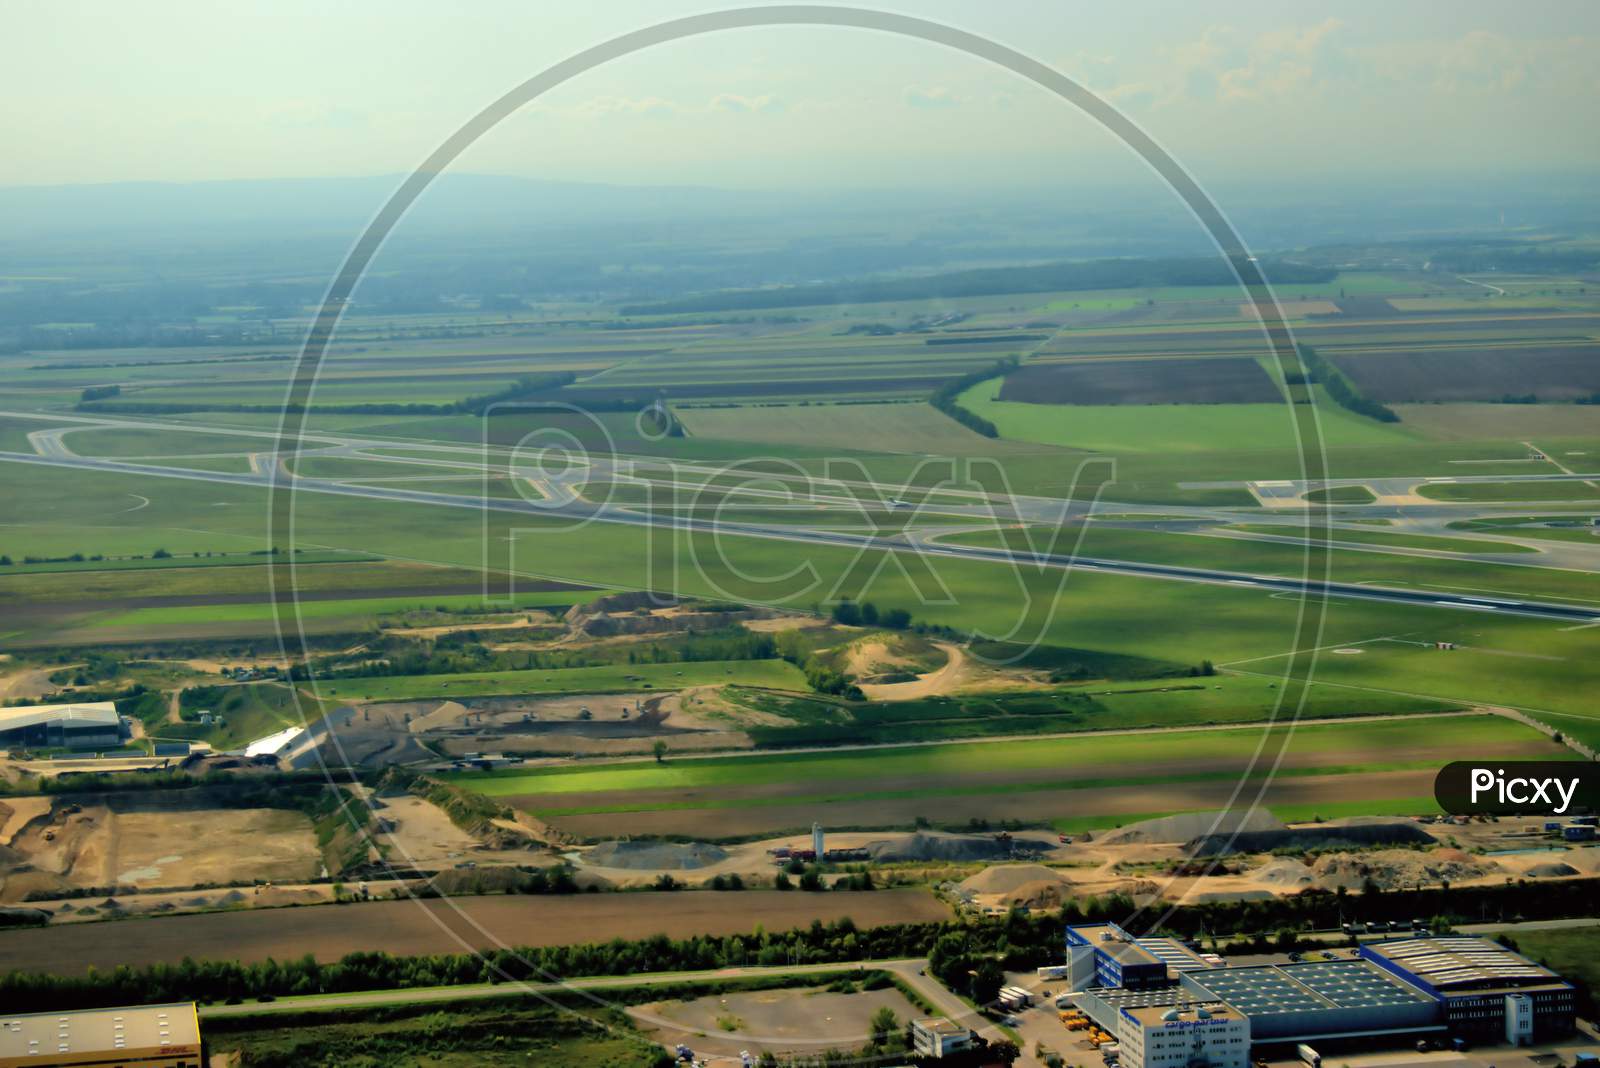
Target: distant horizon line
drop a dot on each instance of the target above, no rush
(1323, 178)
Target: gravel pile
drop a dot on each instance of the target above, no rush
(655, 856)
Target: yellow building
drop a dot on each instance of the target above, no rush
(144, 1036)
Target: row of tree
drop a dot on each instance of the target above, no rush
(965, 953)
(484, 404)
(944, 398)
(1340, 388)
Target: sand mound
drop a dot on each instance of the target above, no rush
(448, 714)
(655, 856)
(925, 846)
(1284, 873)
(1396, 868)
(1585, 860)
(1039, 894)
(1189, 825)
(1011, 878)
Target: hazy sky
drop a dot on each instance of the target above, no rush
(199, 89)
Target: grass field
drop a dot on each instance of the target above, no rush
(1573, 953)
(777, 674)
(1520, 663)
(139, 441)
(1171, 428)
(1256, 557)
(1341, 495)
(466, 1035)
(1042, 757)
(891, 428)
(362, 608)
(1037, 781)
(1089, 706)
(1403, 541)
(1563, 490)
(248, 712)
(1577, 528)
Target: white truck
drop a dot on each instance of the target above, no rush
(1309, 1056)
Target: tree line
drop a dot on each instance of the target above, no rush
(990, 281)
(1339, 388)
(961, 946)
(480, 405)
(944, 398)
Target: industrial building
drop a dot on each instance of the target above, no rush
(1319, 1000)
(1212, 1034)
(92, 725)
(145, 1036)
(1464, 988)
(1484, 987)
(1112, 957)
(940, 1038)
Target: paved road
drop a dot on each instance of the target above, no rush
(576, 510)
(475, 991)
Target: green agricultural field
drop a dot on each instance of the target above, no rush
(1562, 490)
(1036, 781)
(1171, 428)
(776, 674)
(1547, 669)
(891, 428)
(1090, 706)
(1036, 756)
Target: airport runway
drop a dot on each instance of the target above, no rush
(568, 508)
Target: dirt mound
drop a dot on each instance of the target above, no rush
(1585, 860)
(927, 846)
(1396, 868)
(1188, 826)
(1284, 873)
(1012, 878)
(655, 856)
(1039, 894)
(448, 714)
(1551, 870)
(1321, 836)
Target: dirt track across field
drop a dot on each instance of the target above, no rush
(445, 926)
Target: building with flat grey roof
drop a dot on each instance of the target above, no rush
(1474, 979)
(142, 1036)
(91, 725)
(1318, 999)
(1103, 954)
